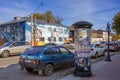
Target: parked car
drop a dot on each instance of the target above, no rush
(112, 46)
(13, 48)
(118, 43)
(97, 50)
(45, 59)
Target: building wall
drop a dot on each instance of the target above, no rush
(13, 31)
(45, 31)
(96, 40)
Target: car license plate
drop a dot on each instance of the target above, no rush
(82, 65)
(29, 61)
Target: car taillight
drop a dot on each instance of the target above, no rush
(21, 60)
(92, 49)
(36, 61)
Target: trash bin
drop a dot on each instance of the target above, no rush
(82, 41)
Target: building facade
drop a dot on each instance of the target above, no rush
(40, 32)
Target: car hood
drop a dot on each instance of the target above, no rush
(3, 47)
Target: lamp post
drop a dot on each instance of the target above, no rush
(107, 57)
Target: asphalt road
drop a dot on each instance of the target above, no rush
(10, 70)
(5, 62)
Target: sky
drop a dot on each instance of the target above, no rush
(98, 12)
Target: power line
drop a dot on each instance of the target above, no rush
(38, 7)
(21, 5)
(97, 12)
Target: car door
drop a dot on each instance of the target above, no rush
(53, 55)
(14, 48)
(100, 49)
(68, 57)
(22, 47)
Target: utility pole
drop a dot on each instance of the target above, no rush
(34, 30)
(32, 36)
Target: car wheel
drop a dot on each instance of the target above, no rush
(48, 70)
(29, 70)
(96, 55)
(104, 52)
(5, 54)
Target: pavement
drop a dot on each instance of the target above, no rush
(101, 70)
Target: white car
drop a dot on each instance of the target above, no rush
(13, 48)
(97, 50)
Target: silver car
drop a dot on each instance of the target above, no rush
(97, 50)
(13, 48)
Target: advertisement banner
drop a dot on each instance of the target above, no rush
(82, 42)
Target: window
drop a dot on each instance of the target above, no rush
(64, 38)
(18, 43)
(48, 51)
(36, 50)
(49, 38)
(54, 29)
(60, 38)
(49, 29)
(64, 51)
(61, 30)
(54, 38)
(55, 50)
(26, 43)
(42, 39)
(66, 31)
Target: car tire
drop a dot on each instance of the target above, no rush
(104, 53)
(29, 70)
(48, 70)
(5, 54)
(96, 55)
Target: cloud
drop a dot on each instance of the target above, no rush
(94, 11)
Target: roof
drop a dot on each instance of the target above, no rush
(13, 21)
(26, 19)
(82, 24)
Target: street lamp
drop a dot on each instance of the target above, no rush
(107, 57)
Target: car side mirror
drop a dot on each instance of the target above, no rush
(11, 45)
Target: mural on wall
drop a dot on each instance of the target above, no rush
(13, 32)
(37, 33)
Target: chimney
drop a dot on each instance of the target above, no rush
(17, 18)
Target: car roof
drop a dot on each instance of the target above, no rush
(50, 46)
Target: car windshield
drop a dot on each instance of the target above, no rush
(92, 45)
(35, 50)
(7, 44)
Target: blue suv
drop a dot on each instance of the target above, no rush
(45, 59)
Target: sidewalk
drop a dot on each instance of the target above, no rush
(102, 71)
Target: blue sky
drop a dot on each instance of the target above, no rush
(98, 12)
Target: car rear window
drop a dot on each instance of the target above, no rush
(35, 50)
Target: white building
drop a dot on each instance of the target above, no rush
(43, 32)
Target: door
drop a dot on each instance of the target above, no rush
(99, 49)
(68, 57)
(52, 54)
(14, 48)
